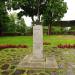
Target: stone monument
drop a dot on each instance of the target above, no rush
(37, 59)
(38, 42)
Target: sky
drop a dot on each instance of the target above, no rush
(70, 15)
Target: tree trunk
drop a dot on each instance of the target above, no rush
(49, 29)
(32, 20)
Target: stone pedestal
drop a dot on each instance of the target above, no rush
(37, 59)
(29, 62)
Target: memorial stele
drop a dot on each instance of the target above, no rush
(37, 58)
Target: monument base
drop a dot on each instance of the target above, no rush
(31, 62)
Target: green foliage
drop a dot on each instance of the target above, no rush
(29, 6)
(55, 10)
(16, 24)
(56, 29)
(4, 19)
(12, 24)
(21, 26)
(72, 29)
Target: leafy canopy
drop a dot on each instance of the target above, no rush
(30, 7)
(55, 10)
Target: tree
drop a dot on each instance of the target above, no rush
(30, 7)
(21, 26)
(4, 19)
(12, 24)
(15, 24)
(54, 11)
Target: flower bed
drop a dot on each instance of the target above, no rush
(13, 46)
(66, 46)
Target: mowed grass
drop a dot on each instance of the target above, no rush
(16, 40)
(54, 40)
(60, 39)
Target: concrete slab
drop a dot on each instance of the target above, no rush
(30, 62)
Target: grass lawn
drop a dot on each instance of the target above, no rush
(28, 40)
(16, 40)
(9, 58)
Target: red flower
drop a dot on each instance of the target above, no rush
(13, 46)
